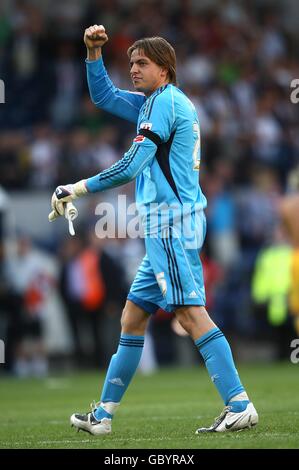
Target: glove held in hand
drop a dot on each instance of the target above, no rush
(67, 193)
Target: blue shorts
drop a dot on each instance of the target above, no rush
(170, 274)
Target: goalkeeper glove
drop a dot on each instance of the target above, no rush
(64, 194)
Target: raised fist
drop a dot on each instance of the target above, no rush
(95, 36)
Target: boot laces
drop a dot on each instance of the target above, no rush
(220, 418)
(94, 405)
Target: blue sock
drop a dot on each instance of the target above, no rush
(120, 372)
(218, 358)
(238, 406)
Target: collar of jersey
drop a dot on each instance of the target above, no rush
(157, 91)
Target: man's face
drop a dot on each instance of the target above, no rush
(146, 75)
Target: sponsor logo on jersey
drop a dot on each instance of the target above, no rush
(139, 138)
(146, 125)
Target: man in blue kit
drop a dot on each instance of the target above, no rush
(164, 159)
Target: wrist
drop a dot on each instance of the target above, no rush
(94, 54)
(80, 188)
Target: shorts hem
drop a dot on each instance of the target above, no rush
(188, 304)
(149, 307)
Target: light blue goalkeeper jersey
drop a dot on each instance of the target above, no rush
(164, 157)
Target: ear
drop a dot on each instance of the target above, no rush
(163, 72)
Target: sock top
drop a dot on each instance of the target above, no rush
(131, 337)
(207, 336)
(238, 406)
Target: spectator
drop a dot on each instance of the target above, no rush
(30, 275)
(90, 292)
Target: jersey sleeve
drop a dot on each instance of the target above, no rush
(159, 116)
(155, 128)
(140, 155)
(105, 95)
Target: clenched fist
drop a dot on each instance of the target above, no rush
(95, 36)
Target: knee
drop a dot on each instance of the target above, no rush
(131, 324)
(185, 319)
(127, 321)
(194, 319)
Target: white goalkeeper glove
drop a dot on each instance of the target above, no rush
(66, 194)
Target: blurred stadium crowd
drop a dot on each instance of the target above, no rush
(236, 61)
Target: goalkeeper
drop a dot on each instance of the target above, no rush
(164, 159)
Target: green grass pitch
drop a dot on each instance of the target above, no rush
(160, 411)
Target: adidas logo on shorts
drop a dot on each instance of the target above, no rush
(192, 295)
